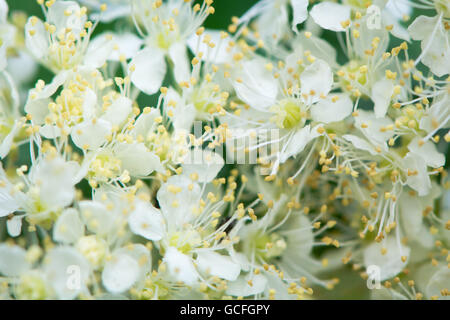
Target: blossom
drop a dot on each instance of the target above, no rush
(163, 159)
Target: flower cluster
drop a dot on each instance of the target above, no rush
(300, 154)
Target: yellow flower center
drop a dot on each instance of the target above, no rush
(288, 114)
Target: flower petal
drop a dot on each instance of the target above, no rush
(181, 68)
(118, 111)
(120, 273)
(36, 38)
(149, 70)
(241, 286)
(69, 227)
(297, 143)
(13, 260)
(206, 164)
(137, 159)
(316, 80)
(146, 221)
(67, 271)
(214, 264)
(360, 143)
(390, 263)
(327, 110)
(329, 15)
(180, 266)
(300, 12)
(97, 218)
(258, 88)
(14, 226)
(91, 134)
(420, 181)
(381, 95)
(427, 151)
(439, 281)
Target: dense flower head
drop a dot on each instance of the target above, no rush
(298, 154)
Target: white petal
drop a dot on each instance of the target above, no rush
(118, 111)
(91, 134)
(98, 51)
(205, 163)
(38, 109)
(438, 282)
(89, 104)
(120, 273)
(38, 42)
(128, 44)
(3, 10)
(184, 117)
(390, 263)
(297, 143)
(428, 152)
(422, 27)
(421, 181)
(12, 260)
(113, 12)
(180, 266)
(317, 79)
(178, 207)
(318, 47)
(26, 63)
(241, 287)
(14, 226)
(397, 29)
(360, 143)
(381, 95)
(6, 144)
(327, 111)
(218, 54)
(299, 243)
(146, 221)
(57, 16)
(67, 271)
(437, 56)
(7, 203)
(181, 68)
(137, 159)
(329, 15)
(258, 88)
(214, 264)
(150, 70)
(141, 254)
(55, 178)
(146, 122)
(371, 125)
(50, 131)
(300, 12)
(69, 227)
(97, 217)
(398, 8)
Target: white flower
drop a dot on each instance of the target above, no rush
(435, 43)
(330, 15)
(126, 266)
(115, 9)
(61, 264)
(389, 255)
(173, 226)
(9, 114)
(164, 41)
(7, 34)
(62, 42)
